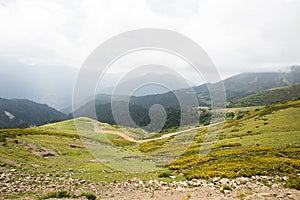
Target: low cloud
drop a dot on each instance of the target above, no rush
(239, 35)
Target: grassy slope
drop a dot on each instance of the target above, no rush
(265, 142)
(22, 149)
(268, 97)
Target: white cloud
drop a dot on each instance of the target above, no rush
(248, 35)
(239, 35)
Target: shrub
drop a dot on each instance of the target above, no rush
(293, 182)
(121, 142)
(88, 195)
(164, 175)
(233, 144)
(58, 194)
(226, 187)
(241, 114)
(2, 139)
(66, 194)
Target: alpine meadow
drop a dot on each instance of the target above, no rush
(148, 99)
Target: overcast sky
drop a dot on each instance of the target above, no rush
(239, 35)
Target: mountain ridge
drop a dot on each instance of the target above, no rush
(269, 97)
(25, 113)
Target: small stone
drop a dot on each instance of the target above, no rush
(2, 176)
(165, 188)
(241, 180)
(183, 184)
(216, 179)
(227, 191)
(141, 182)
(224, 181)
(180, 189)
(134, 180)
(266, 194)
(280, 196)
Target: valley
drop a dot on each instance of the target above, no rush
(149, 100)
(246, 149)
(255, 156)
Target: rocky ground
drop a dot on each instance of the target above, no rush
(14, 183)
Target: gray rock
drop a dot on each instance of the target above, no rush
(241, 180)
(224, 181)
(216, 179)
(227, 191)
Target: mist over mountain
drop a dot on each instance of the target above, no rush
(52, 85)
(36, 84)
(245, 84)
(144, 84)
(236, 87)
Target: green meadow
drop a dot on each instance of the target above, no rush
(265, 141)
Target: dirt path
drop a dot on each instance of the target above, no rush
(97, 129)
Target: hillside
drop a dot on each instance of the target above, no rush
(262, 147)
(237, 87)
(268, 97)
(138, 113)
(24, 113)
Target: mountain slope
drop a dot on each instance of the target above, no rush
(264, 144)
(268, 97)
(237, 87)
(25, 113)
(245, 84)
(250, 83)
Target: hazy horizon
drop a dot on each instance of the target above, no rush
(44, 44)
(239, 36)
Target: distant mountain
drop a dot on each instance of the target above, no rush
(24, 113)
(250, 83)
(146, 82)
(268, 97)
(138, 113)
(245, 84)
(237, 87)
(46, 84)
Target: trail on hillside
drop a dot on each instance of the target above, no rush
(98, 129)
